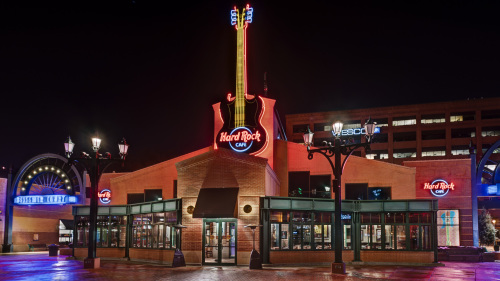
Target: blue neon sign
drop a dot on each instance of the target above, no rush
(45, 200)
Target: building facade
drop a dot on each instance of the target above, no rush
(442, 130)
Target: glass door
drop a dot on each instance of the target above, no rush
(219, 241)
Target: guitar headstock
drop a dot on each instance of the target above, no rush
(240, 20)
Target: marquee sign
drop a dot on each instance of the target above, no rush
(45, 200)
(439, 187)
(104, 196)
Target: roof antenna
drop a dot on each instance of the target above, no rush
(265, 84)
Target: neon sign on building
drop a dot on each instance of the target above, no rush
(104, 196)
(45, 200)
(439, 187)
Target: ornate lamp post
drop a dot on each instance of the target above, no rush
(95, 164)
(336, 150)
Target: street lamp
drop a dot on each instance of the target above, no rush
(339, 148)
(95, 165)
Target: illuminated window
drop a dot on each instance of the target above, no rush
(404, 121)
(463, 116)
(377, 154)
(460, 150)
(154, 230)
(404, 153)
(433, 151)
(433, 119)
(111, 231)
(490, 131)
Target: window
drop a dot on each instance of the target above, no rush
(154, 230)
(320, 186)
(318, 127)
(460, 150)
(490, 114)
(300, 230)
(462, 116)
(298, 184)
(300, 128)
(379, 193)
(395, 234)
(134, 198)
(381, 122)
(377, 154)
(433, 151)
(380, 138)
(371, 231)
(463, 133)
(490, 131)
(405, 153)
(432, 119)
(351, 124)
(111, 231)
(404, 136)
(152, 195)
(404, 121)
(356, 191)
(434, 135)
(302, 184)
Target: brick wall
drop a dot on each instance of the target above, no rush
(453, 171)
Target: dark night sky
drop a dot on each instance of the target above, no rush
(151, 72)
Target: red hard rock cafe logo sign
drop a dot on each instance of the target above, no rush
(439, 187)
(240, 139)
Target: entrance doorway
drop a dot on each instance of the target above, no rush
(219, 241)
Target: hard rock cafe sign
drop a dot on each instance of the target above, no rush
(439, 187)
(104, 196)
(240, 139)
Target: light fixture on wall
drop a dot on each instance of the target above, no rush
(247, 209)
(190, 210)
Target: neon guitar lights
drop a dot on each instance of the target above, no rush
(242, 114)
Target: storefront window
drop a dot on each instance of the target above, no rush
(110, 231)
(154, 230)
(414, 235)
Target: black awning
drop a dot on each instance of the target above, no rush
(68, 224)
(216, 203)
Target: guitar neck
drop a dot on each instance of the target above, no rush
(241, 21)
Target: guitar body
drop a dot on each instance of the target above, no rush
(253, 111)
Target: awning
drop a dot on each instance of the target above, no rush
(216, 203)
(68, 224)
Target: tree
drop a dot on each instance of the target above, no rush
(486, 228)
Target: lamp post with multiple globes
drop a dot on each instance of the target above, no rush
(94, 164)
(339, 148)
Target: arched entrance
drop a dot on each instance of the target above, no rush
(39, 199)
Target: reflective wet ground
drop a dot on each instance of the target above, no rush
(39, 266)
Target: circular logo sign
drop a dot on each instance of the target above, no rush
(105, 196)
(241, 139)
(439, 187)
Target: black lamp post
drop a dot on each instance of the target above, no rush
(339, 148)
(95, 165)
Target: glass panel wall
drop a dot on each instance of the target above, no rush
(111, 231)
(154, 230)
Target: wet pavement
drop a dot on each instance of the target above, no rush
(39, 266)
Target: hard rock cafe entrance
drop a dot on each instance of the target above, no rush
(219, 241)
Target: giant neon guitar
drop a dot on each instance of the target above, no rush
(242, 115)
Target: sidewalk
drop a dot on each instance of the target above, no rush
(39, 266)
